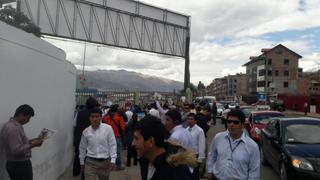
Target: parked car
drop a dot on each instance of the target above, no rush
(258, 120)
(292, 147)
(220, 109)
(262, 106)
(277, 105)
(247, 110)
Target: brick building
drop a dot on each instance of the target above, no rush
(230, 86)
(276, 70)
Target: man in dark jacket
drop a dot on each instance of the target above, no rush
(165, 161)
(202, 120)
(82, 122)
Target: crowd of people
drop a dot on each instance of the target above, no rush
(166, 141)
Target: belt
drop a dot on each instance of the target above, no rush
(97, 159)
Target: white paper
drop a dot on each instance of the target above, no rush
(46, 133)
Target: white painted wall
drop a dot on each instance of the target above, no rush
(34, 72)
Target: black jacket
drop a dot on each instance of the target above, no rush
(173, 164)
(202, 121)
(82, 123)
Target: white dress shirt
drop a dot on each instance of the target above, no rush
(199, 141)
(181, 136)
(99, 143)
(162, 112)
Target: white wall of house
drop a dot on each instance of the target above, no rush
(34, 72)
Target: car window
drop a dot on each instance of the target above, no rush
(264, 118)
(273, 127)
(303, 133)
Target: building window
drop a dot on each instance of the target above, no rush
(262, 72)
(269, 73)
(261, 83)
(286, 73)
(270, 61)
(286, 61)
(276, 73)
(285, 84)
(269, 82)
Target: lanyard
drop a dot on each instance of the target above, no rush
(232, 150)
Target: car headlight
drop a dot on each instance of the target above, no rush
(257, 130)
(301, 163)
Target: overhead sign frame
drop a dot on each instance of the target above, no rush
(120, 23)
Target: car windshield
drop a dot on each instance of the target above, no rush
(264, 118)
(303, 133)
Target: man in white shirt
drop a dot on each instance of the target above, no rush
(199, 141)
(178, 134)
(98, 148)
(162, 111)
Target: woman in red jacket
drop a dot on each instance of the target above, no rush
(118, 125)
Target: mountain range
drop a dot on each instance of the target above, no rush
(122, 80)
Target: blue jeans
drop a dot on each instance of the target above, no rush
(118, 160)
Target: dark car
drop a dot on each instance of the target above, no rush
(278, 105)
(292, 147)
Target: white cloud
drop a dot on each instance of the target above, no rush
(310, 62)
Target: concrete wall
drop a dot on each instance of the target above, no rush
(35, 72)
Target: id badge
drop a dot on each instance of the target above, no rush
(229, 163)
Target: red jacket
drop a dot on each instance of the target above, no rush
(115, 122)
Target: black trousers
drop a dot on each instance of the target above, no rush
(19, 170)
(76, 162)
(131, 153)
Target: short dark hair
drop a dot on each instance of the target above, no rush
(114, 108)
(174, 115)
(151, 126)
(25, 110)
(95, 110)
(237, 113)
(91, 103)
(192, 115)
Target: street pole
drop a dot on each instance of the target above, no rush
(187, 59)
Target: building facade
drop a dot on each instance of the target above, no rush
(230, 86)
(276, 70)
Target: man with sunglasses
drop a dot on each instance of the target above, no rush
(233, 154)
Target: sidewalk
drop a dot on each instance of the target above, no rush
(314, 115)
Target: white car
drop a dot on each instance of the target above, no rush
(220, 109)
(263, 107)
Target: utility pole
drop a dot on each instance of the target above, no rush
(187, 59)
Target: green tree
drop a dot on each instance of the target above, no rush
(18, 20)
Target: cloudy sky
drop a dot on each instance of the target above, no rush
(224, 33)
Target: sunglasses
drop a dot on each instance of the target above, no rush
(234, 122)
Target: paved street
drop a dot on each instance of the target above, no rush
(132, 173)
